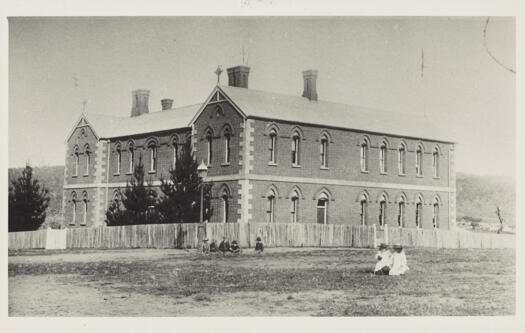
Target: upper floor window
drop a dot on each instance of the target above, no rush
(131, 155)
(364, 155)
(119, 159)
(227, 146)
(324, 151)
(175, 152)
(383, 158)
(87, 153)
(152, 157)
(209, 147)
(296, 139)
(435, 162)
(419, 160)
(272, 146)
(76, 161)
(401, 156)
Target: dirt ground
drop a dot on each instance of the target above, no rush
(281, 282)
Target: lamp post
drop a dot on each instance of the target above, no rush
(202, 171)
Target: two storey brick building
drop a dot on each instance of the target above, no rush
(271, 158)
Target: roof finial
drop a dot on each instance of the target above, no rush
(218, 72)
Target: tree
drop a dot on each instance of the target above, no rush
(138, 204)
(181, 200)
(28, 202)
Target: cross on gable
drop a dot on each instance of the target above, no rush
(218, 72)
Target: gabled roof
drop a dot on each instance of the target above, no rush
(113, 126)
(268, 105)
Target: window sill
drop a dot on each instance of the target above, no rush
(85, 175)
(129, 173)
(116, 174)
(324, 168)
(272, 164)
(383, 173)
(225, 164)
(420, 176)
(152, 172)
(402, 175)
(436, 177)
(74, 176)
(296, 166)
(364, 171)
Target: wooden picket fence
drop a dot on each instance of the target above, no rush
(189, 235)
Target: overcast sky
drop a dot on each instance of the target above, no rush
(56, 63)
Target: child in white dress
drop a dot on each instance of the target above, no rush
(384, 260)
(399, 261)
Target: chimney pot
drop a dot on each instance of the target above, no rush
(238, 76)
(166, 103)
(310, 84)
(140, 102)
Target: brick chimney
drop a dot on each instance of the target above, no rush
(140, 101)
(310, 88)
(166, 103)
(238, 76)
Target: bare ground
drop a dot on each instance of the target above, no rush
(281, 282)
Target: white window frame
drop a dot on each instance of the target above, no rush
(296, 143)
(152, 157)
(227, 147)
(383, 151)
(401, 159)
(364, 156)
(419, 161)
(272, 148)
(324, 152)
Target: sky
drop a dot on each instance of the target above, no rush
(435, 66)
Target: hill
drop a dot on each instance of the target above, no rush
(477, 196)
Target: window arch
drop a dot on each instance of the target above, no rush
(419, 211)
(224, 196)
(363, 204)
(118, 152)
(76, 161)
(323, 199)
(295, 197)
(323, 147)
(73, 208)
(87, 153)
(435, 162)
(227, 134)
(419, 160)
(270, 197)
(383, 199)
(401, 207)
(131, 156)
(296, 147)
(365, 144)
(272, 145)
(174, 151)
(84, 208)
(436, 202)
(401, 158)
(383, 157)
(209, 146)
(152, 150)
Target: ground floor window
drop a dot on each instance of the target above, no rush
(322, 209)
(225, 208)
(382, 211)
(401, 214)
(419, 211)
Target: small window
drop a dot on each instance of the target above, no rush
(383, 158)
(435, 213)
(296, 139)
(131, 154)
(364, 156)
(401, 213)
(175, 152)
(322, 208)
(271, 207)
(209, 148)
(295, 207)
(76, 161)
(419, 161)
(324, 152)
(73, 209)
(152, 157)
(119, 160)
(435, 162)
(363, 211)
(401, 159)
(225, 208)
(85, 211)
(272, 146)
(227, 148)
(419, 212)
(382, 212)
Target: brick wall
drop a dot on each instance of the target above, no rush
(81, 137)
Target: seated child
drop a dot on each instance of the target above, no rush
(213, 246)
(259, 247)
(224, 245)
(235, 248)
(399, 261)
(384, 260)
(205, 249)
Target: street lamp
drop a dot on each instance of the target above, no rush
(202, 171)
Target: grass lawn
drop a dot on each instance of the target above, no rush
(281, 282)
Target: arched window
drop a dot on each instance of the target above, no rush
(270, 212)
(152, 147)
(435, 162)
(419, 212)
(227, 148)
(363, 203)
(435, 213)
(296, 142)
(382, 210)
(73, 209)
(209, 147)
(419, 161)
(175, 152)
(322, 208)
(117, 198)
(131, 156)
(295, 206)
(84, 209)
(383, 158)
(364, 155)
(224, 195)
(272, 146)
(76, 161)
(119, 159)
(401, 156)
(87, 152)
(401, 204)
(324, 151)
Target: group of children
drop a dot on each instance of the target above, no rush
(225, 246)
(389, 263)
